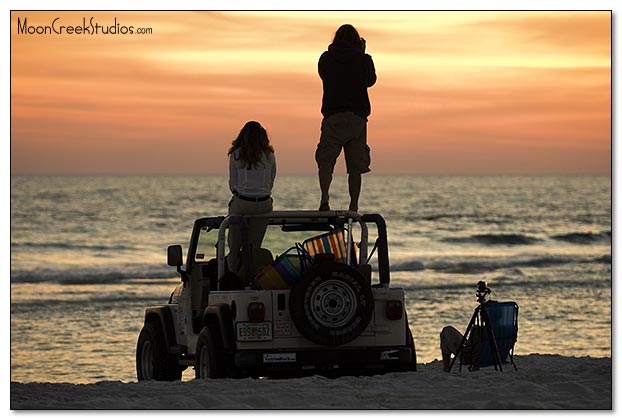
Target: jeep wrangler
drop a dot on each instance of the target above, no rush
(322, 306)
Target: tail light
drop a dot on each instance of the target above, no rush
(256, 312)
(394, 310)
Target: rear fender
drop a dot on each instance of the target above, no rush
(221, 316)
(163, 315)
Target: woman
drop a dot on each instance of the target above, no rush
(252, 169)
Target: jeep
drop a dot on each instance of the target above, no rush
(311, 300)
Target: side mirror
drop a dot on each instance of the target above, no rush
(174, 256)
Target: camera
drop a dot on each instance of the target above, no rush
(483, 291)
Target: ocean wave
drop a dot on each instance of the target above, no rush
(413, 265)
(524, 283)
(96, 298)
(584, 237)
(434, 217)
(454, 265)
(604, 259)
(475, 217)
(579, 238)
(486, 265)
(495, 239)
(71, 246)
(88, 275)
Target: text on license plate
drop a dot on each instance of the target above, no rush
(254, 331)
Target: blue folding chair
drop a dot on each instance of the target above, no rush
(503, 318)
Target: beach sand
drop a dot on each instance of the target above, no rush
(541, 382)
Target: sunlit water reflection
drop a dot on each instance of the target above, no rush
(87, 256)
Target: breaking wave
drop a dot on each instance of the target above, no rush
(89, 275)
(584, 237)
(525, 283)
(578, 238)
(496, 239)
(454, 265)
(486, 265)
(73, 246)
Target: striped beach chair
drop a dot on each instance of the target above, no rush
(328, 243)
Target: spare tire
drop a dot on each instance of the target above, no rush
(331, 304)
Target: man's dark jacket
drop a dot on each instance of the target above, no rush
(346, 74)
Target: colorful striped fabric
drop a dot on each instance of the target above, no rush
(327, 243)
(281, 274)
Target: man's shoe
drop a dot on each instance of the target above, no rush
(324, 207)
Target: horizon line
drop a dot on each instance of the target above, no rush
(609, 173)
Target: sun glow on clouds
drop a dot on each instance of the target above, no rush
(457, 91)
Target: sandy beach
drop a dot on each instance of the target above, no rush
(542, 382)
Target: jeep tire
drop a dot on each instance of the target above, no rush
(153, 362)
(331, 304)
(210, 361)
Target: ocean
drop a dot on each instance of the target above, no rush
(88, 254)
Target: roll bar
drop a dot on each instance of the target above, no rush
(283, 217)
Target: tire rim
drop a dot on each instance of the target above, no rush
(203, 362)
(333, 304)
(146, 357)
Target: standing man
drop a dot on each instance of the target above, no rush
(346, 73)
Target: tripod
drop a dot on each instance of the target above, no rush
(481, 319)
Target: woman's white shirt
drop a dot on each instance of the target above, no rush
(254, 182)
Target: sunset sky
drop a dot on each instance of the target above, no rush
(457, 92)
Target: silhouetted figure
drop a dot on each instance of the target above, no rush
(252, 169)
(451, 339)
(346, 73)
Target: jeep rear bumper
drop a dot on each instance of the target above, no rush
(377, 358)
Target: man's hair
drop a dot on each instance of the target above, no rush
(349, 35)
(253, 142)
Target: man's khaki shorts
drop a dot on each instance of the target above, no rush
(348, 131)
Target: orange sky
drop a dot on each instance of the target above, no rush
(457, 92)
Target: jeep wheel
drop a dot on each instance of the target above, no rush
(210, 362)
(331, 304)
(153, 362)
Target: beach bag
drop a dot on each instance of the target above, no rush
(283, 272)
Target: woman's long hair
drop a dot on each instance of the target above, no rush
(253, 142)
(349, 35)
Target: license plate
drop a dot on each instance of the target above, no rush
(279, 357)
(254, 331)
